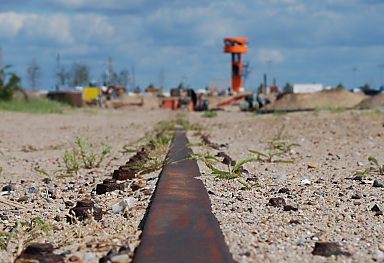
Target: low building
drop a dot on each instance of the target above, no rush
(307, 88)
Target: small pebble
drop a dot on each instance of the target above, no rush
(290, 208)
(284, 190)
(305, 182)
(33, 190)
(378, 256)
(277, 202)
(327, 249)
(377, 183)
(356, 195)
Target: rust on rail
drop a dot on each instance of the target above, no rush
(180, 226)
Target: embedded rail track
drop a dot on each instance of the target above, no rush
(180, 226)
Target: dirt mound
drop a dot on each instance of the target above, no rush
(325, 98)
(372, 102)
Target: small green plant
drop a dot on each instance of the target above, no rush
(268, 157)
(375, 168)
(24, 232)
(210, 114)
(378, 167)
(278, 143)
(41, 171)
(87, 155)
(1, 169)
(71, 161)
(231, 171)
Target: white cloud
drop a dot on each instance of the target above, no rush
(270, 55)
(10, 24)
(60, 28)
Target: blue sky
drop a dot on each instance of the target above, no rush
(296, 41)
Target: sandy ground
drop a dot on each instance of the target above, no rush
(336, 144)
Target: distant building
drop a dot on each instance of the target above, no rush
(307, 88)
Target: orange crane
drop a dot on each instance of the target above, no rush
(236, 46)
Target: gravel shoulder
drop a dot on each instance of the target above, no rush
(332, 208)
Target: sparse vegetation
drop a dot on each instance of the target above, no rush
(24, 232)
(375, 168)
(278, 147)
(85, 155)
(32, 106)
(278, 143)
(232, 170)
(330, 108)
(71, 161)
(210, 114)
(269, 156)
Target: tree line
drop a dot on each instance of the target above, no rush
(78, 74)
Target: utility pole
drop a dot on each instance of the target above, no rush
(111, 72)
(133, 77)
(58, 72)
(161, 78)
(1, 58)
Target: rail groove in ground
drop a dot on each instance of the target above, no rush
(180, 226)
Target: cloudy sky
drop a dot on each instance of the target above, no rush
(169, 41)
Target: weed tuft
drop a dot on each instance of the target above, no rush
(24, 232)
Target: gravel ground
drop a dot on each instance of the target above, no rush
(30, 142)
(326, 206)
(330, 207)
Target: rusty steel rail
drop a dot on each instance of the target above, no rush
(180, 226)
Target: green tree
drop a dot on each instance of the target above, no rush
(340, 86)
(365, 87)
(9, 84)
(288, 88)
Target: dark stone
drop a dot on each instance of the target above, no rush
(8, 188)
(327, 249)
(284, 190)
(377, 183)
(47, 180)
(356, 196)
(377, 208)
(290, 208)
(294, 221)
(277, 202)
